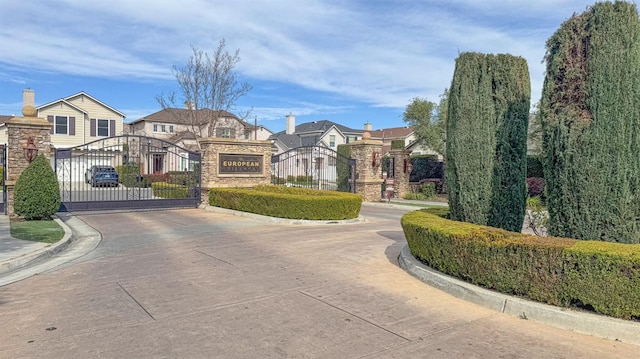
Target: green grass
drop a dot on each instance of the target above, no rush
(37, 231)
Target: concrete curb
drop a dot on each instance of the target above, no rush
(45, 252)
(563, 318)
(275, 220)
(79, 239)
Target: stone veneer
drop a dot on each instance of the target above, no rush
(368, 177)
(213, 147)
(401, 179)
(19, 129)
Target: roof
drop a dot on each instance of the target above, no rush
(5, 118)
(81, 93)
(391, 133)
(182, 116)
(309, 133)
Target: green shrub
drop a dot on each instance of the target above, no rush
(37, 193)
(604, 277)
(486, 140)
(429, 190)
(288, 202)
(129, 175)
(414, 196)
(169, 190)
(590, 113)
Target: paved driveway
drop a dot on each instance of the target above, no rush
(195, 284)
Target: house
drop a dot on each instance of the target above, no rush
(76, 119)
(79, 119)
(177, 126)
(401, 133)
(317, 133)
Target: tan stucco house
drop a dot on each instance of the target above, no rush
(176, 126)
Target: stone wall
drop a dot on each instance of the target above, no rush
(19, 129)
(368, 172)
(401, 179)
(212, 148)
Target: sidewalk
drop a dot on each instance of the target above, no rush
(20, 259)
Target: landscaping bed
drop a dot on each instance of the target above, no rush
(288, 202)
(597, 276)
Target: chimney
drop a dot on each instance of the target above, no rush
(291, 124)
(368, 127)
(188, 105)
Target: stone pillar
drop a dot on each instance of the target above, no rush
(367, 153)
(231, 162)
(400, 171)
(19, 130)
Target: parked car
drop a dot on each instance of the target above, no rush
(101, 176)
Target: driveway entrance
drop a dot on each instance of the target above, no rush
(195, 284)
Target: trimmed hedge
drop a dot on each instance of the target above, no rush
(288, 202)
(592, 275)
(169, 190)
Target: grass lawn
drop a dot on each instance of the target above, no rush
(38, 231)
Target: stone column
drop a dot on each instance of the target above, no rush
(231, 162)
(368, 168)
(400, 158)
(19, 130)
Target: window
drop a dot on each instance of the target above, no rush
(247, 135)
(332, 161)
(352, 139)
(155, 127)
(170, 128)
(103, 128)
(164, 128)
(225, 132)
(62, 125)
(332, 141)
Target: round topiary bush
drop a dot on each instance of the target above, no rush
(37, 194)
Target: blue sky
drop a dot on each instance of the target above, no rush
(347, 61)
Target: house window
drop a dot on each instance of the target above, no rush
(155, 127)
(332, 141)
(225, 132)
(352, 139)
(319, 161)
(332, 161)
(247, 135)
(62, 125)
(103, 128)
(170, 128)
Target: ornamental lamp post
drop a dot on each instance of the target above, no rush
(30, 150)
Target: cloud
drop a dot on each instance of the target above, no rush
(382, 53)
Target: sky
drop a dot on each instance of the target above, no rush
(351, 61)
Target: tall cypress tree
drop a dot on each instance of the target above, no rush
(486, 140)
(590, 111)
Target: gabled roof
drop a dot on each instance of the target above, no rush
(182, 115)
(63, 101)
(310, 133)
(81, 93)
(391, 133)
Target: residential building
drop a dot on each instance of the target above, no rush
(76, 119)
(177, 126)
(401, 133)
(317, 133)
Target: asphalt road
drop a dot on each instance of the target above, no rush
(195, 284)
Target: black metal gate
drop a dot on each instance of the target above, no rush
(314, 167)
(127, 172)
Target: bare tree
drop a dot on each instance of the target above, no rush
(209, 89)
